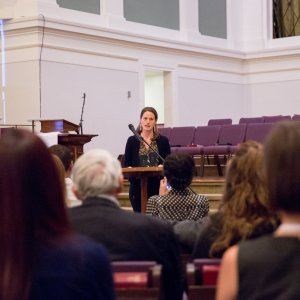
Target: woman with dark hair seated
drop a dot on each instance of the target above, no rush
(269, 267)
(180, 203)
(245, 211)
(40, 257)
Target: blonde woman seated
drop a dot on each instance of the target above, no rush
(245, 211)
(179, 203)
(269, 267)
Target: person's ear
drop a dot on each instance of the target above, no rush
(75, 191)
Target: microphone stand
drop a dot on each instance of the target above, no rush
(82, 108)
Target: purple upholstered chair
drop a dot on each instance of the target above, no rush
(137, 279)
(204, 136)
(181, 136)
(275, 119)
(219, 122)
(202, 277)
(296, 118)
(229, 136)
(251, 120)
(166, 131)
(258, 132)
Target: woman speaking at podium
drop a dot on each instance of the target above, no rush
(139, 154)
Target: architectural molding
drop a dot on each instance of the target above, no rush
(73, 43)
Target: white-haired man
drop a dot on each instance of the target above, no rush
(97, 178)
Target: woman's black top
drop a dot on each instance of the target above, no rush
(132, 149)
(269, 268)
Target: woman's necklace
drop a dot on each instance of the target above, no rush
(148, 140)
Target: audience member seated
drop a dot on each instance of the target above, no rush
(98, 179)
(269, 267)
(65, 156)
(41, 258)
(245, 209)
(61, 174)
(187, 233)
(180, 203)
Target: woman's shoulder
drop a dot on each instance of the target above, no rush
(87, 246)
(154, 199)
(76, 254)
(263, 249)
(77, 263)
(73, 247)
(162, 138)
(202, 200)
(202, 197)
(132, 139)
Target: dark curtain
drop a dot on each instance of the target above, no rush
(286, 18)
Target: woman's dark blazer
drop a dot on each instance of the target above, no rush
(133, 147)
(132, 160)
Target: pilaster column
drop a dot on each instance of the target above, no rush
(6, 9)
(189, 22)
(28, 8)
(246, 24)
(112, 11)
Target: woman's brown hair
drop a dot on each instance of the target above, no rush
(32, 209)
(283, 166)
(62, 175)
(245, 206)
(152, 110)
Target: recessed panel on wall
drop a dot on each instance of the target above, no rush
(162, 13)
(212, 18)
(89, 6)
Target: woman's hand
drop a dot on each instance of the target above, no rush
(163, 190)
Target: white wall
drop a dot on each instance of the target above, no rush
(22, 92)
(105, 57)
(201, 100)
(273, 98)
(107, 112)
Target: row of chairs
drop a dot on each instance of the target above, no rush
(214, 140)
(142, 279)
(263, 119)
(183, 136)
(137, 280)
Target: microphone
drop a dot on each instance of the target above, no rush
(131, 128)
(140, 138)
(82, 109)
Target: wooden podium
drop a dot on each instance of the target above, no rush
(74, 141)
(143, 173)
(60, 125)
